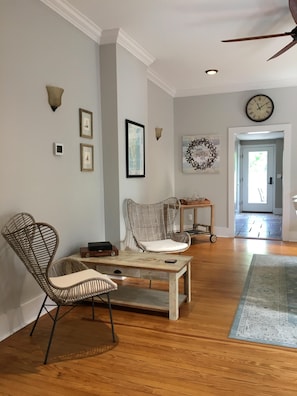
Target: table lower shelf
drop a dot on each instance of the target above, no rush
(143, 298)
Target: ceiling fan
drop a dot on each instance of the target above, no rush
(292, 33)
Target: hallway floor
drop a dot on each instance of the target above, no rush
(258, 226)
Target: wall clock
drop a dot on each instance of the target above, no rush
(259, 108)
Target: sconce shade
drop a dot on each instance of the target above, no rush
(54, 96)
(158, 132)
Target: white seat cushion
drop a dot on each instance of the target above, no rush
(77, 277)
(164, 245)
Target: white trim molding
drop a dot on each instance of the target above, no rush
(111, 36)
(75, 17)
(108, 36)
(152, 76)
(19, 317)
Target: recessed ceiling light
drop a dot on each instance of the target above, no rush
(255, 133)
(211, 72)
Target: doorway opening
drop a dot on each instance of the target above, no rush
(269, 223)
(256, 217)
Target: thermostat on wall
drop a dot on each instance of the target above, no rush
(58, 149)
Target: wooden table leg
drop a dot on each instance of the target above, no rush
(187, 283)
(173, 297)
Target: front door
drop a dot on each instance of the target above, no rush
(258, 163)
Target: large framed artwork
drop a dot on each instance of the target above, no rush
(135, 149)
(201, 154)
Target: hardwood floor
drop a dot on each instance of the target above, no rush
(155, 356)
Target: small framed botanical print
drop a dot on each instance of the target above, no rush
(86, 157)
(86, 123)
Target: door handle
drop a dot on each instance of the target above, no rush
(270, 180)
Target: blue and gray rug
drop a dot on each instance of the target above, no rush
(267, 312)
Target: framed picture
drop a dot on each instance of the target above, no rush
(86, 157)
(135, 149)
(86, 123)
(201, 154)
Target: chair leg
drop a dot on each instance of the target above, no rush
(39, 313)
(52, 334)
(111, 319)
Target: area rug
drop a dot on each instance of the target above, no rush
(267, 312)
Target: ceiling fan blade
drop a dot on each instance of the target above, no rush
(291, 44)
(293, 9)
(257, 37)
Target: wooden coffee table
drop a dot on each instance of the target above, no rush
(146, 266)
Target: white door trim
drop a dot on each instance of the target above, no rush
(287, 201)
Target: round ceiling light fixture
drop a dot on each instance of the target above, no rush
(211, 72)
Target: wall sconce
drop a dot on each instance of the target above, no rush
(158, 132)
(54, 96)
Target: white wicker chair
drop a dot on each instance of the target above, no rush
(152, 227)
(66, 281)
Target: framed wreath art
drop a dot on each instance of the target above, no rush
(201, 154)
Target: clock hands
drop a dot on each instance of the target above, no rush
(259, 106)
(264, 104)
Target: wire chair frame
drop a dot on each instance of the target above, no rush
(36, 245)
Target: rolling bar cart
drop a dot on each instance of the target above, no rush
(198, 228)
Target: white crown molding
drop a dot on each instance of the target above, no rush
(111, 36)
(75, 17)
(152, 76)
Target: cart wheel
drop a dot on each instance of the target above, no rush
(213, 238)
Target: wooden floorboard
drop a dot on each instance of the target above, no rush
(152, 355)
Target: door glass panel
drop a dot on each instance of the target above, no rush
(257, 177)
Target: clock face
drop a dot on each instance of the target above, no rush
(259, 108)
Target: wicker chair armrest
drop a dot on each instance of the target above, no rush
(181, 237)
(64, 266)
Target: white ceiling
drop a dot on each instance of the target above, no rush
(184, 37)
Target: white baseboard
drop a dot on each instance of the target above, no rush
(19, 317)
(292, 236)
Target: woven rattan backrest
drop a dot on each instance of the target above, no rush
(151, 222)
(36, 245)
(18, 221)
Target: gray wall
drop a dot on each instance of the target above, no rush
(38, 47)
(127, 94)
(213, 115)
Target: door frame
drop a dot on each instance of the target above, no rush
(232, 137)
